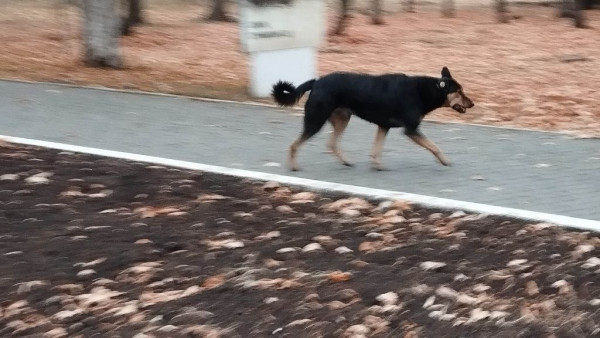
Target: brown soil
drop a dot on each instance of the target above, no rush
(94, 246)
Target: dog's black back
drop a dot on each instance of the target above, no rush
(389, 100)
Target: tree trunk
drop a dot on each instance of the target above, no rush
(448, 8)
(135, 11)
(342, 17)
(376, 12)
(567, 9)
(502, 11)
(579, 16)
(101, 34)
(218, 12)
(573, 9)
(130, 13)
(409, 6)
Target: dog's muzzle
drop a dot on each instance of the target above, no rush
(459, 108)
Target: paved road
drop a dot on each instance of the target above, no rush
(536, 171)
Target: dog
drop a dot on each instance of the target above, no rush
(388, 100)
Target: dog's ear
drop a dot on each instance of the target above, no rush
(446, 72)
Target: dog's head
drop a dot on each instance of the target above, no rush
(455, 97)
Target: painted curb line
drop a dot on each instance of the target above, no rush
(377, 194)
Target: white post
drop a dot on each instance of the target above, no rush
(281, 38)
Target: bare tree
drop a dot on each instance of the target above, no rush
(218, 12)
(131, 15)
(135, 11)
(408, 6)
(573, 9)
(376, 12)
(101, 33)
(502, 11)
(343, 15)
(448, 8)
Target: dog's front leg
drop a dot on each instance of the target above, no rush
(421, 140)
(378, 147)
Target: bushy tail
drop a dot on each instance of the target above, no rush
(285, 94)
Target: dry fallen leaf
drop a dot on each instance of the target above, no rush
(213, 281)
(339, 276)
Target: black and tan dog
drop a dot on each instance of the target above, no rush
(389, 101)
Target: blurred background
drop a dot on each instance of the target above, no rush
(531, 64)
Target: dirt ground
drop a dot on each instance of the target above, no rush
(93, 246)
(536, 72)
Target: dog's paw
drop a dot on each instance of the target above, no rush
(378, 167)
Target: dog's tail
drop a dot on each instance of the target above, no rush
(285, 94)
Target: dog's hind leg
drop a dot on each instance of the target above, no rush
(339, 120)
(378, 147)
(421, 140)
(315, 116)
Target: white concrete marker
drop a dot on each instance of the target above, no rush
(422, 200)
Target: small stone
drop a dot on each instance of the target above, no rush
(374, 235)
(466, 299)
(595, 302)
(592, 262)
(312, 247)
(28, 286)
(383, 206)
(377, 324)
(143, 241)
(336, 305)
(13, 253)
(342, 250)
(37, 180)
(347, 295)
(477, 315)
(498, 314)
(233, 244)
(193, 316)
(446, 292)
(127, 310)
(304, 196)
(461, 278)
(432, 266)
(177, 213)
(389, 298)
(458, 214)
(66, 314)
(531, 288)
(516, 262)
(9, 177)
(421, 289)
(271, 186)
(86, 273)
(167, 328)
(429, 302)
(57, 332)
(299, 322)
(270, 300)
(286, 253)
(348, 212)
(357, 331)
(286, 209)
